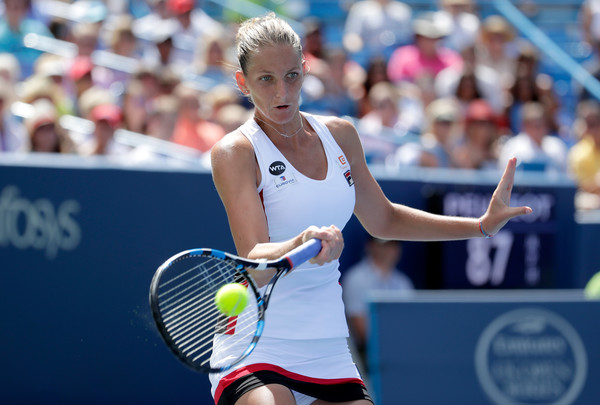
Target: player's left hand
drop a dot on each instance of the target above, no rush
(499, 211)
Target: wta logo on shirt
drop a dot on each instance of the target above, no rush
(278, 169)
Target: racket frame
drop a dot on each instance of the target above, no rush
(282, 265)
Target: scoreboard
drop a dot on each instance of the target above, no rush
(520, 255)
(531, 251)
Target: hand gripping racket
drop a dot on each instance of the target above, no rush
(182, 296)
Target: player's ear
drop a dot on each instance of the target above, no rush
(305, 67)
(240, 79)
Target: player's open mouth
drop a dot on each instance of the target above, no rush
(282, 107)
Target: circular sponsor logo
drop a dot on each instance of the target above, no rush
(277, 168)
(531, 356)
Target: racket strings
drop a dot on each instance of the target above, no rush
(203, 274)
(192, 320)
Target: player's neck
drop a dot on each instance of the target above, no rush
(285, 133)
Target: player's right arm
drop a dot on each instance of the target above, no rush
(236, 177)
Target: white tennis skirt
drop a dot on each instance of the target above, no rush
(318, 361)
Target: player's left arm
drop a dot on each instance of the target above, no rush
(385, 219)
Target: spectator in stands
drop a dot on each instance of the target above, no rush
(382, 128)
(374, 28)
(14, 26)
(584, 156)
(136, 99)
(347, 76)
(86, 36)
(313, 48)
(531, 87)
(107, 118)
(38, 87)
(534, 147)
(425, 58)
(476, 149)
(45, 133)
(162, 116)
(376, 72)
(59, 28)
(221, 96)
(496, 48)
(193, 27)
(231, 116)
(485, 82)
(99, 106)
(228, 106)
(326, 88)
(167, 80)
(377, 270)
(212, 64)
(142, 88)
(10, 71)
(13, 136)
(592, 65)
(528, 60)
(159, 52)
(145, 26)
(80, 79)
(53, 68)
(467, 88)
(344, 75)
(124, 52)
(191, 128)
(462, 22)
(443, 116)
(589, 17)
(590, 21)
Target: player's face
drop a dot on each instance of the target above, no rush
(274, 78)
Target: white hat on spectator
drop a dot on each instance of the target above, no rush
(43, 112)
(443, 109)
(426, 26)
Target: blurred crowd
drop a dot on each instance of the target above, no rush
(153, 81)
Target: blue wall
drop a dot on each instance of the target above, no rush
(466, 348)
(76, 323)
(80, 241)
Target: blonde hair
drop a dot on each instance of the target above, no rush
(257, 32)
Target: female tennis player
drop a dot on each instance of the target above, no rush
(285, 177)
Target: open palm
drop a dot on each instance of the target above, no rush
(499, 211)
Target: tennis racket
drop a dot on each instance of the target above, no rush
(182, 296)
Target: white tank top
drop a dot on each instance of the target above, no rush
(306, 303)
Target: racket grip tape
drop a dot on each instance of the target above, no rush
(304, 252)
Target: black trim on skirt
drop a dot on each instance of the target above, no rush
(342, 392)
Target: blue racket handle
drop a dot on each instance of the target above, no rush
(304, 252)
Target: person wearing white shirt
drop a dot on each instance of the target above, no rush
(13, 135)
(376, 271)
(376, 27)
(194, 26)
(463, 24)
(534, 147)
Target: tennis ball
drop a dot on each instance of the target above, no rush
(231, 299)
(592, 288)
